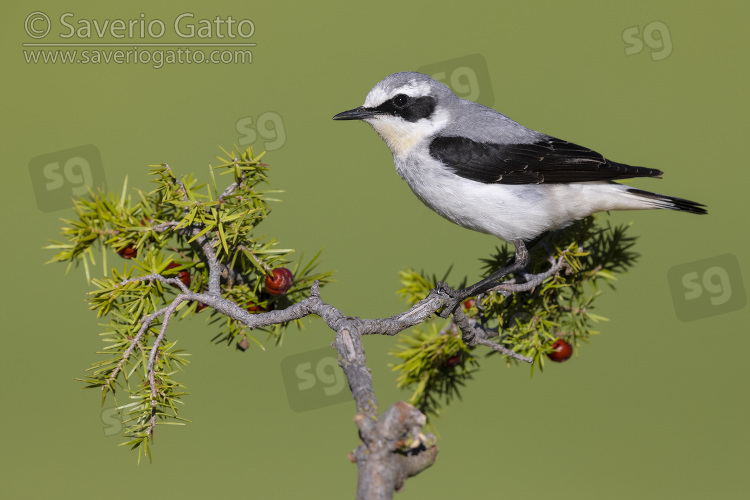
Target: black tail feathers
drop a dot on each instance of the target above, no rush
(679, 204)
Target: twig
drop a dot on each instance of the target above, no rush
(474, 334)
(168, 311)
(527, 282)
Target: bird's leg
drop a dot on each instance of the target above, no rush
(455, 297)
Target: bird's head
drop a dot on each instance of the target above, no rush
(405, 109)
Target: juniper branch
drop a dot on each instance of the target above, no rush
(393, 446)
(474, 334)
(526, 282)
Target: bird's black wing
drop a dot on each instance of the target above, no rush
(547, 161)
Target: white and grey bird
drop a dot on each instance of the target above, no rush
(483, 171)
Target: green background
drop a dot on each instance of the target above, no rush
(652, 408)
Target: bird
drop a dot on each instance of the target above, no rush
(479, 169)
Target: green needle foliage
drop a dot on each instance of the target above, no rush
(163, 243)
(160, 233)
(435, 364)
(527, 322)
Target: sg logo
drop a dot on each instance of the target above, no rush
(314, 380)
(112, 420)
(57, 177)
(656, 37)
(707, 287)
(269, 126)
(468, 78)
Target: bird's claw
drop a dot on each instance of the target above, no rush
(450, 302)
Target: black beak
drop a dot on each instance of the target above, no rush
(359, 113)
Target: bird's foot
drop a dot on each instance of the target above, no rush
(452, 298)
(455, 297)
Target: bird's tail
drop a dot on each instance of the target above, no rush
(663, 201)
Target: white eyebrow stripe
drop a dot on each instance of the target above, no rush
(378, 95)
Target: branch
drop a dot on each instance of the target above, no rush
(233, 186)
(474, 334)
(215, 267)
(393, 446)
(352, 360)
(168, 311)
(527, 282)
(393, 449)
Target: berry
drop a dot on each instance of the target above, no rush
(561, 351)
(469, 304)
(279, 281)
(201, 306)
(453, 360)
(128, 252)
(184, 275)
